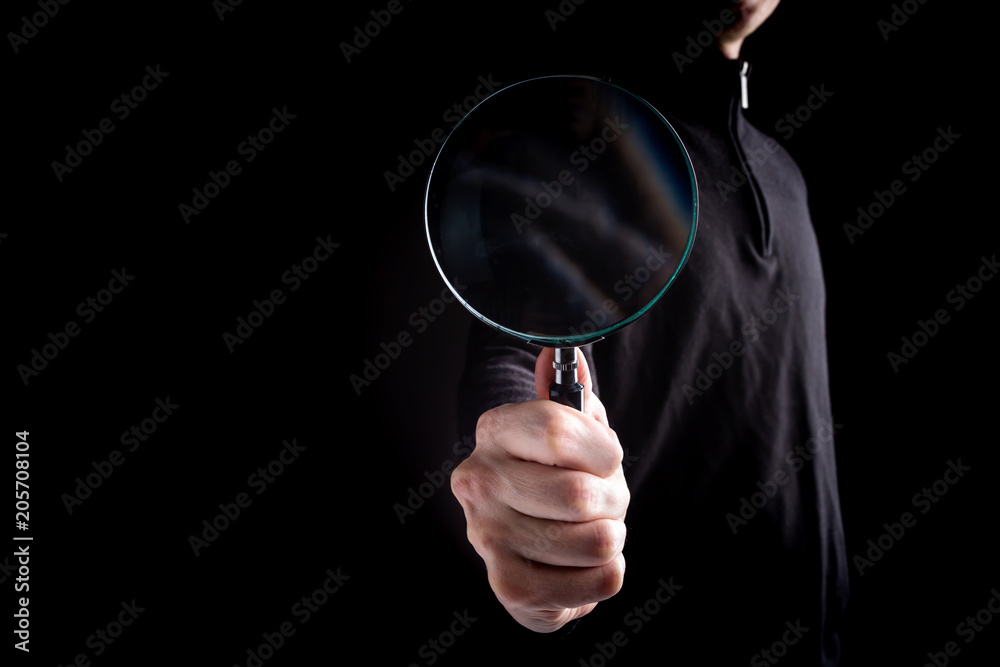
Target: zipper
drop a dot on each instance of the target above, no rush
(763, 240)
(744, 94)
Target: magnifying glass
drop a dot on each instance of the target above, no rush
(559, 210)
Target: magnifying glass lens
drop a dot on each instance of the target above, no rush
(560, 209)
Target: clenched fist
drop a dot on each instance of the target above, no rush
(545, 497)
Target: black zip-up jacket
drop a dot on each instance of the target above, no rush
(720, 396)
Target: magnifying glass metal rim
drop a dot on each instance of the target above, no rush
(575, 340)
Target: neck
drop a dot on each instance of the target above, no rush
(730, 49)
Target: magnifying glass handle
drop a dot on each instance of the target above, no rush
(566, 389)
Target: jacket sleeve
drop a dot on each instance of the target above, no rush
(499, 369)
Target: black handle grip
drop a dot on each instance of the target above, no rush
(571, 395)
(566, 389)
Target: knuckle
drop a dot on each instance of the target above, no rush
(581, 496)
(618, 449)
(469, 482)
(489, 540)
(487, 424)
(606, 540)
(463, 482)
(612, 577)
(557, 430)
(624, 495)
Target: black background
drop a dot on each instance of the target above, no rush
(323, 176)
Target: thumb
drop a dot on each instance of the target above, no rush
(545, 375)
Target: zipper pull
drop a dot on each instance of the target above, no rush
(744, 95)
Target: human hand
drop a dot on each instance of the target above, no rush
(545, 497)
